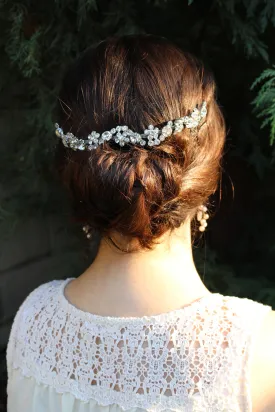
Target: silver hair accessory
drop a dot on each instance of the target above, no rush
(202, 217)
(122, 135)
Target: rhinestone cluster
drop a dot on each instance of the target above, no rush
(122, 135)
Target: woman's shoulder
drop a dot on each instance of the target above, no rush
(245, 314)
(256, 322)
(39, 300)
(42, 294)
(42, 297)
(39, 297)
(263, 365)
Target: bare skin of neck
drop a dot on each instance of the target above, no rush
(140, 283)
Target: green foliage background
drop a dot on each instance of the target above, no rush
(235, 38)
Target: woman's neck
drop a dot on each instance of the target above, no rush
(140, 283)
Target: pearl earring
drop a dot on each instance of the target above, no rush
(202, 217)
(86, 230)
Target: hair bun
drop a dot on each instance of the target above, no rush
(136, 191)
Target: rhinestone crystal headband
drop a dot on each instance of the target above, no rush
(122, 135)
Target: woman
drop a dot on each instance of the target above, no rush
(138, 330)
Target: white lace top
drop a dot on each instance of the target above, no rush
(61, 359)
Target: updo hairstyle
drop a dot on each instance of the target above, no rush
(138, 192)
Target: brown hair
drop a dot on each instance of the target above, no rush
(140, 192)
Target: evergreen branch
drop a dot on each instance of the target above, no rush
(262, 11)
(251, 7)
(267, 14)
(83, 7)
(264, 75)
(264, 102)
(245, 32)
(23, 52)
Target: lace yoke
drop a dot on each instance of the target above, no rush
(191, 359)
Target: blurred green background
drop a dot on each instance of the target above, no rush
(235, 39)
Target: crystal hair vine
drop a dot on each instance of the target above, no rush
(153, 136)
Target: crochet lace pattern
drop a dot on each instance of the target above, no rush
(191, 359)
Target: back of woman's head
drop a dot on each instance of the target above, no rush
(139, 192)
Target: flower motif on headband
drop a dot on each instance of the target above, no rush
(152, 134)
(93, 139)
